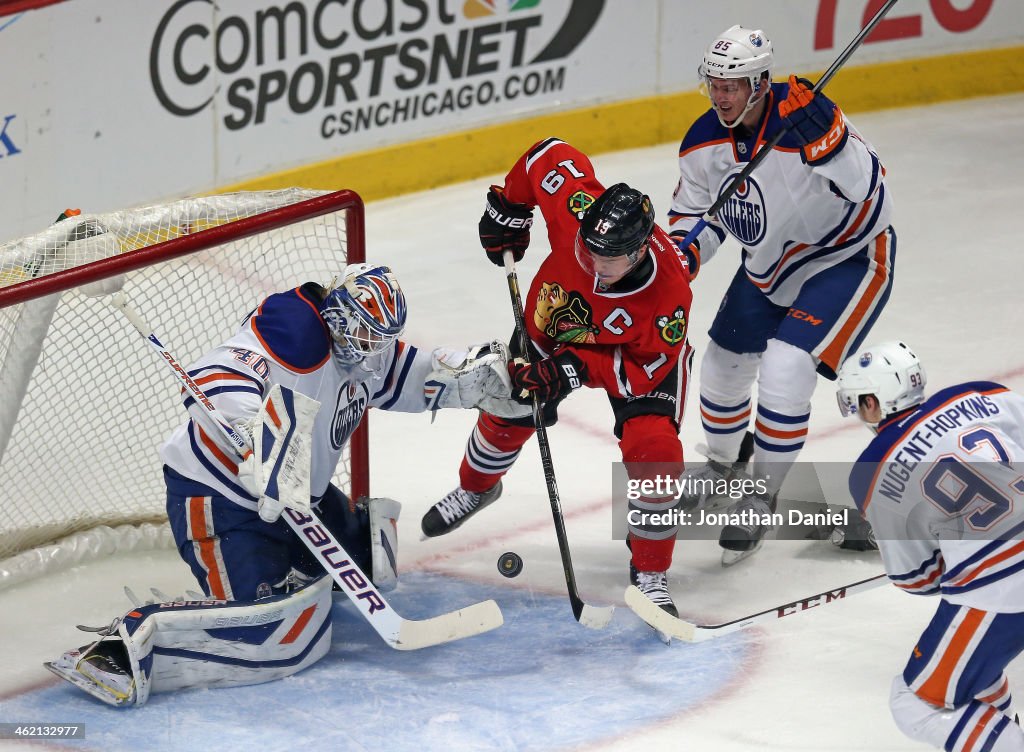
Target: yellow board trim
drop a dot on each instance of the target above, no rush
(457, 157)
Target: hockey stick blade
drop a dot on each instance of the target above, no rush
(455, 625)
(687, 631)
(396, 631)
(595, 617)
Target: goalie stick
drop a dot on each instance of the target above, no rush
(398, 632)
(690, 632)
(595, 617)
(771, 143)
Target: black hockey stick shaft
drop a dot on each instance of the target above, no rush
(595, 617)
(771, 143)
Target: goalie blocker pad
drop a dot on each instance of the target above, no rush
(281, 461)
(192, 644)
(476, 376)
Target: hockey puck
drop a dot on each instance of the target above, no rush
(510, 564)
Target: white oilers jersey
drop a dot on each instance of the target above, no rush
(943, 489)
(285, 342)
(793, 220)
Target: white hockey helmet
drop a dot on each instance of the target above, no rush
(740, 53)
(365, 313)
(889, 371)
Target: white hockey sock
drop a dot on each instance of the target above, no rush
(784, 388)
(726, 379)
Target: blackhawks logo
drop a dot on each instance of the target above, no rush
(672, 329)
(564, 316)
(579, 202)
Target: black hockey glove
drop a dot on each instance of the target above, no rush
(691, 253)
(504, 226)
(550, 379)
(814, 120)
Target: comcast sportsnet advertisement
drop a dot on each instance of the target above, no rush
(114, 103)
(341, 69)
(290, 81)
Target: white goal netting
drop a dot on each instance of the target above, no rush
(84, 401)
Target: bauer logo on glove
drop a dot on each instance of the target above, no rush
(550, 379)
(504, 226)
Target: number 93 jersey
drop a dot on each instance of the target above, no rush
(943, 489)
(631, 334)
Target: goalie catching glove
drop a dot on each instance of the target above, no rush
(473, 377)
(504, 226)
(550, 379)
(277, 470)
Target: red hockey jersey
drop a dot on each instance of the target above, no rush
(629, 338)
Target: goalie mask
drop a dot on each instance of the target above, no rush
(890, 372)
(738, 54)
(365, 314)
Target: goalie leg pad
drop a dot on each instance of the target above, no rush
(183, 645)
(384, 542)
(368, 531)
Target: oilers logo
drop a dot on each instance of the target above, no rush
(744, 213)
(865, 360)
(347, 413)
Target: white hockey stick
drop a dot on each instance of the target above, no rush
(689, 632)
(399, 633)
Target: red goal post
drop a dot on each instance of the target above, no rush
(84, 404)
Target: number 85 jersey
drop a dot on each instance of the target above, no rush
(943, 488)
(631, 334)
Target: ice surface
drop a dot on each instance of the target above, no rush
(815, 681)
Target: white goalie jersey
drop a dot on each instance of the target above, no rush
(285, 342)
(943, 489)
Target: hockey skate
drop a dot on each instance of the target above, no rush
(855, 535)
(744, 536)
(705, 486)
(101, 669)
(455, 508)
(654, 586)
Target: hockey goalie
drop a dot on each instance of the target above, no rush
(294, 380)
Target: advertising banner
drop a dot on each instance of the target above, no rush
(115, 102)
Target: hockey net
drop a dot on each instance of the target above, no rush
(85, 403)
